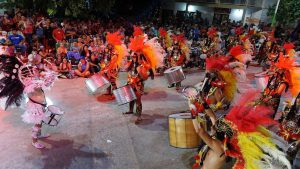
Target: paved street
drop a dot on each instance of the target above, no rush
(94, 134)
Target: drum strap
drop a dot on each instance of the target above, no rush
(42, 104)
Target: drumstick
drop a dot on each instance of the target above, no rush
(48, 62)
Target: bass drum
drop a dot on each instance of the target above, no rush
(182, 133)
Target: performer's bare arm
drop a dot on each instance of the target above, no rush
(214, 144)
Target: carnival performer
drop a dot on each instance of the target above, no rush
(218, 90)
(284, 75)
(146, 55)
(22, 79)
(179, 55)
(241, 135)
(111, 69)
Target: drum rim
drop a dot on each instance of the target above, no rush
(174, 68)
(187, 113)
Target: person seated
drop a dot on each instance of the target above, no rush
(62, 49)
(17, 40)
(74, 54)
(83, 68)
(94, 63)
(65, 69)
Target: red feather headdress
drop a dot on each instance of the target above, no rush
(212, 32)
(246, 117)
(219, 63)
(138, 31)
(179, 38)
(238, 30)
(162, 32)
(288, 46)
(236, 51)
(114, 38)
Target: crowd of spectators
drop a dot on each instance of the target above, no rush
(77, 47)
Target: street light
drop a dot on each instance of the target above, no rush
(274, 17)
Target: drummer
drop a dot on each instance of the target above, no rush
(279, 83)
(176, 58)
(110, 71)
(137, 73)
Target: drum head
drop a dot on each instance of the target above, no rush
(190, 91)
(184, 115)
(203, 56)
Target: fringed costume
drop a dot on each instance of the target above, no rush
(22, 79)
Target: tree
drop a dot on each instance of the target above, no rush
(288, 11)
(61, 8)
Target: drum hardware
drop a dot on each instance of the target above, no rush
(55, 115)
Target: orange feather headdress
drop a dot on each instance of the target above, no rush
(293, 77)
(115, 39)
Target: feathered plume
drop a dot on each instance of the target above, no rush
(212, 32)
(231, 84)
(246, 117)
(257, 149)
(238, 31)
(285, 62)
(114, 38)
(136, 44)
(162, 32)
(154, 53)
(179, 38)
(10, 85)
(236, 51)
(218, 63)
(288, 46)
(138, 31)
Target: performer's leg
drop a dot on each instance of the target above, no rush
(36, 129)
(151, 74)
(131, 106)
(139, 109)
(178, 85)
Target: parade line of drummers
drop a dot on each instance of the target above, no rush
(254, 132)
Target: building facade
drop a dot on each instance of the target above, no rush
(244, 11)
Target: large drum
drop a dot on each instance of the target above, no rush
(55, 115)
(174, 75)
(97, 84)
(124, 94)
(261, 80)
(182, 133)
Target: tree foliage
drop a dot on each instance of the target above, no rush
(288, 11)
(71, 8)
